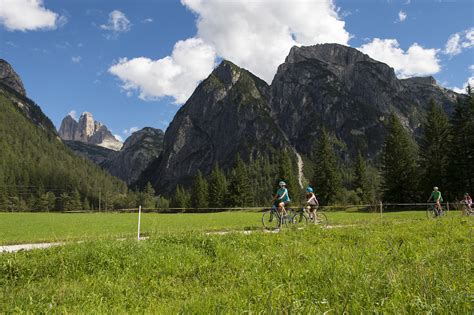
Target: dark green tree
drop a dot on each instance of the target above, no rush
(434, 158)
(361, 180)
(181, 198)
(217, 188)
(240, 193)
(200, 192)
(399, 170)
(326, 180)
(461, 149)
(147, 197)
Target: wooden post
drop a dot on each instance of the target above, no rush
(381, 209)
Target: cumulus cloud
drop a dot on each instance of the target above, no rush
(402, 16)
(416, 61)
(28, 15)
(459, 41)
(73, 114)
(76, 59)
(130, 130)
(117, 23)
(176, 76)
(258, 35)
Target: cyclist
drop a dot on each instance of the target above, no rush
(437, 198)
(467, 200)
(311, 202)
(281, 199)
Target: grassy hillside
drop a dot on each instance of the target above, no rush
(33, 162)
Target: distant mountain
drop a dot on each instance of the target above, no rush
(330, 85)
(138, 150)
(87, 130)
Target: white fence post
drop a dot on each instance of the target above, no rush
(139, 217)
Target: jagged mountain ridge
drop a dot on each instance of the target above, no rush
(10, 78)
(350, 94)
(328, 85)
(89, 131)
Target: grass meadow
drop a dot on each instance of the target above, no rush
(402, 263)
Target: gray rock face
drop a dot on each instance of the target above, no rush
(10, 78)
(350, 94)
(138, 151)
(88, 131)
(92, 152)
(228, 114)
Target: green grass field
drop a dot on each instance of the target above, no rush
(18, 228)
(400, 264)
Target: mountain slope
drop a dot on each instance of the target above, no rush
(138, 151)
(33, 160)
(228, 114)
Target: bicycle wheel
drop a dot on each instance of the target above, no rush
(299, 219)
(321, 219)
(271, 220)
(430, 212)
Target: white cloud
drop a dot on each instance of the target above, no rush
(76, 59)
(73, 114)
(470, 81)
(130, 131)
(28, 15)
(258, 35)
(402, 16)
(177, 75)
(119, 138)
(416, 61)
(459, 41)
(117, 23)
(147, 20)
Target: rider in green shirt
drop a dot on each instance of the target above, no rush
(436, 196)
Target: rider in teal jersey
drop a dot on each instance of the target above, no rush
(282, 198)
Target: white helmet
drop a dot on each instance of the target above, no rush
(435, 188)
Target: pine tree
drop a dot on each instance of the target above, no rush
(399, 164)
(182, 198)
(75, 200)
(434, 159)
(461, 149)
(288, 173)
(240, 193)
(86, 205)
(147, 199)
(327, 180)
(200, 192)
(65, 202)
(361, 180)
(217, 188)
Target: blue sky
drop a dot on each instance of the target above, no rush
(133, 63)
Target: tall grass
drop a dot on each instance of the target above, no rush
(410, 266)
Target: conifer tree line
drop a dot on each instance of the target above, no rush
(409, 168)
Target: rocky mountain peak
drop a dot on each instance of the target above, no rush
(227, 72)
(328, 53)
(10, 78)
(89, 131)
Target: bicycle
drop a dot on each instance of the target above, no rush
(272, 219)
(466, 210)
(432, 211)
(303, 217)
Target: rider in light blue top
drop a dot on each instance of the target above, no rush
(282, 198)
